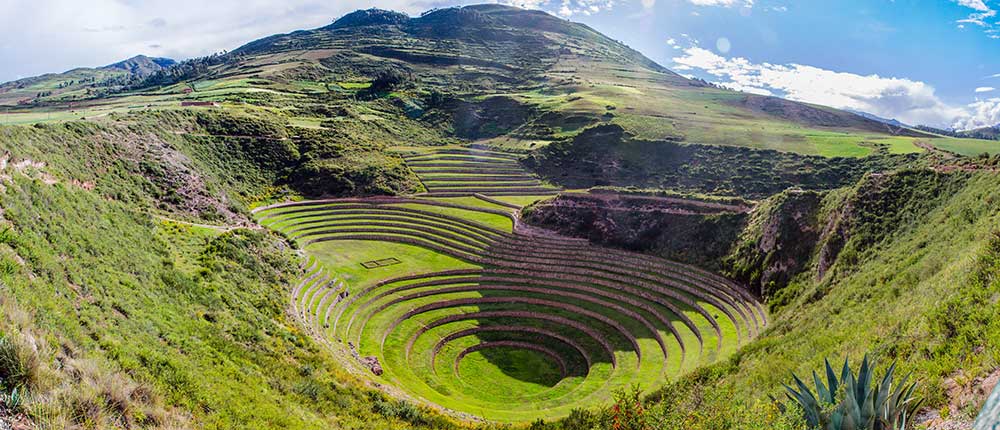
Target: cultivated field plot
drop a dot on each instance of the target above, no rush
(488, 317)
(450, 172)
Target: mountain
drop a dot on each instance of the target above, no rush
(80, 83)
(892, 122)
(142, 65)
(502, 56)
(982, 133)
(478, 37)
(986, 133)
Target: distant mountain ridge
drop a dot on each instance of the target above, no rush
(535, 42)
(83, 82)
(892, 122)
(142, 65)
(984, 133)
(487, 60)
(493, 25)
(371, 16)
(987, 133)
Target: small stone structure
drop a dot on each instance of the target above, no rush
(371, 362)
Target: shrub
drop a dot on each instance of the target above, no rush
(309, 389)
(400, 409)
(14, 372)
(7, 235)
(628, 412)
(388, 80)
(579, 419)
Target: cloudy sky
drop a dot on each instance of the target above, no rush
(920, 61)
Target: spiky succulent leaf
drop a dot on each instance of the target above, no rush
(822, 392)
(832, 379)
(863, 405)
(810, 407)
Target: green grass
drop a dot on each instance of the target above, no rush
(967, 147)
(194, 314)
(493, 220)
(355, 85)
(838, 146)
(344, 258)
(909, 287)
(842, 145)
(505, 384)
(169, 300)
(523, 201)
(519, 371)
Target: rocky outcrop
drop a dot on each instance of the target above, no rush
(778, 243)
(371, 362)
(686, 230)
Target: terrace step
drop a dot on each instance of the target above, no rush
(604, 316)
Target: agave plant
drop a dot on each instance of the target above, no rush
(852, 402)
(14, 400)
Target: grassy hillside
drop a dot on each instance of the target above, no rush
(607, 155)
(901, 266)
(79, 84)
(537, 79)
(911, 282)
(177, 323)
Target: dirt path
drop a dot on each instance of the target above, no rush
(235, 136)
(614, 197)
(219, 228)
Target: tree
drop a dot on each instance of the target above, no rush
(388, 80)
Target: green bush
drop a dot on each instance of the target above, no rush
(14, 373)
(399, 409)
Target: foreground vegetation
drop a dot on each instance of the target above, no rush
(901, 266)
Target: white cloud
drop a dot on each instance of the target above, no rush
(984, 113)
(979, 5)
(568, 8)
(985, 89)
(724, 3)
(909, 101)
(981, 17)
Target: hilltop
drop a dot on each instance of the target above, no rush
(538, 78)
(142, 65)
(80, 83)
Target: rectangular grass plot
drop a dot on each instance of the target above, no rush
(374, 264)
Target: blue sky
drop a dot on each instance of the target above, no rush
(921, 61)
(843, 53)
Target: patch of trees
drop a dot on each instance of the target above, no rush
(390, 79)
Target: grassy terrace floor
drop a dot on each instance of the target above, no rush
(457, 171)
(477, 315)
